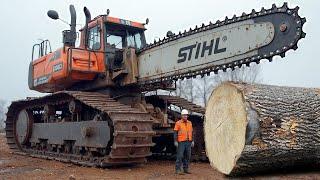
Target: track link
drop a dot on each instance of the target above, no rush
(132, 130)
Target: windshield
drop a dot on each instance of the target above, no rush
(135, 40)
(120, 37)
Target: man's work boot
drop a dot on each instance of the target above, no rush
(179, 172)
(186, 171)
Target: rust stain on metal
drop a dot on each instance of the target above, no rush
(283, 27)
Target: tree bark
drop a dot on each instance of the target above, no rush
(252, 128)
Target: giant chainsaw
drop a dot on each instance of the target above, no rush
(221, 45)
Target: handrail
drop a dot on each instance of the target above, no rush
(43, 49)
(35, 45)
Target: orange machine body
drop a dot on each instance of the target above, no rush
(61, 69)
(64, 67)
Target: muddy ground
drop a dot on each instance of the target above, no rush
(20, 167)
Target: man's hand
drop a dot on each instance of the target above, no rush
(192, 144)
(176, 144)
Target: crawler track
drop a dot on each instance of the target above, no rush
(131, 137)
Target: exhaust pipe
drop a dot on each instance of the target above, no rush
(73, 19)
(86, 28)
(70, 36)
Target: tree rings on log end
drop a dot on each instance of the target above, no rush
(225, 127)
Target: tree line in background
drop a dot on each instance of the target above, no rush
(2, 114)
(198, 90)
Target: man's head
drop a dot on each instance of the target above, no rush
(184, 115)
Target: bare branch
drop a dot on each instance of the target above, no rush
(199, 89)
(2, 113)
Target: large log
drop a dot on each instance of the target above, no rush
(251, 128)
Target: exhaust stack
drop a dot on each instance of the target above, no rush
(73, 19)
(70, 36)
(88, 19)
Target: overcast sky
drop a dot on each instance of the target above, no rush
(24, 22)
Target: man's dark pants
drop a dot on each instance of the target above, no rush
(183, 155)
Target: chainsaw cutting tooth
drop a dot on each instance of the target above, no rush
(234, 17)
(296, 9)
(303, 34)
(303, 20)
(295, 47)
(226, 19)
(274, 7)
(282, 55)
(285, 6)
(270, 59)
(253, 12)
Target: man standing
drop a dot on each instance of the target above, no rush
(183, 141)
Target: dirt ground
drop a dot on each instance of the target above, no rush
(21, 167)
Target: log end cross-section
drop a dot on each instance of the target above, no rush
(252, 128)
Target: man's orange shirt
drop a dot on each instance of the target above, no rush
(184, 130)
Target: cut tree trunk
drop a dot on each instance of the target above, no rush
(253, 128)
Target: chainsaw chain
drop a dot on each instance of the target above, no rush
(281, 52)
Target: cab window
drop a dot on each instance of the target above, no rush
(94, 38)
(119, 37)
(135, 40)
(115, 41)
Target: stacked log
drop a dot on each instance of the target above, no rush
(252, 128)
